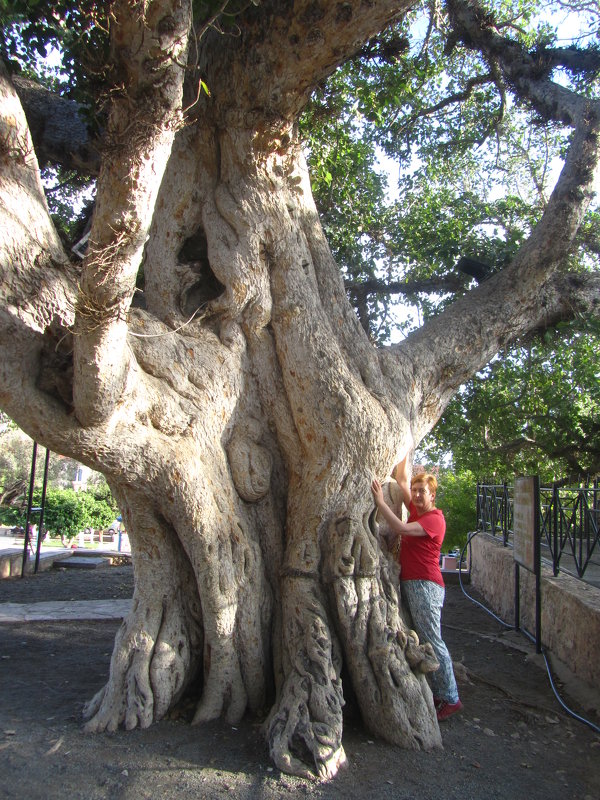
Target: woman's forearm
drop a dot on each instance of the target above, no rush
(402, 478)
(394, 522)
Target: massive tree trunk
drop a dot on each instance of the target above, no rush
(239, 410)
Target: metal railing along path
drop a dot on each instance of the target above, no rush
(569, 522)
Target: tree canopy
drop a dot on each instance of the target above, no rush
(475, 170)
(533, 410)
(475, 174)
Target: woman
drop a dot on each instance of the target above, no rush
(420, 575)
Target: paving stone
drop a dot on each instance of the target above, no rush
(83, 562)
(64, 610)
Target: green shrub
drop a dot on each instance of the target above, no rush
(11, 516)
(67, 512)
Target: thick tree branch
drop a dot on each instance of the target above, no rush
(37, 284)
(297, 49)
(573, 59)
(38, 288)
(509, 304)
(59, 132)
(527, 73)
(474, 328)
(449, 283)
(569, 295)
(148, 50)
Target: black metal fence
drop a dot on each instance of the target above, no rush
(569, 522)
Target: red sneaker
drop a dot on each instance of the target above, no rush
(445, 709)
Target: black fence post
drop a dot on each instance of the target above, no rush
(29, 502)
(505, 513)
(538, 567)
(42, 507)
(555, 532)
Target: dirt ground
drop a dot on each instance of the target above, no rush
(513, 739)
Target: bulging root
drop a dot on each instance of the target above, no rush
(297, 741)
(224, 691)
(151, 664)
(420, 657)
(306, 728)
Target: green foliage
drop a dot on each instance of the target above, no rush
(11, 516)
(67, 512)
(66, 191)
(475, 172)
(75, 35)
(475, 175)
(102, 494)
(15, 457)
(456, 497)
(533, 410)
(30, 30)
(348, 191)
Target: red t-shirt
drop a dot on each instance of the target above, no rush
(420, 555)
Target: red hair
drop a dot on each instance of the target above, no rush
(427, 478)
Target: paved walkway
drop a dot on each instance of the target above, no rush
(64, 610)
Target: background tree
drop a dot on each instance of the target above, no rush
(238, 408)
(15, 464)
(457, 496)
(534, 410)
(66, 511)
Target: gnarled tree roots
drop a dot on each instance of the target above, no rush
(156, 651)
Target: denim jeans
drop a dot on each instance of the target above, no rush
(425, 600)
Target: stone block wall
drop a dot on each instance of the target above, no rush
(11, 563)
(570, 609)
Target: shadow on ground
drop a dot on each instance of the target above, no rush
(513, 739)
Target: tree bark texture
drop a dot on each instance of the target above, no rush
(239, 411)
